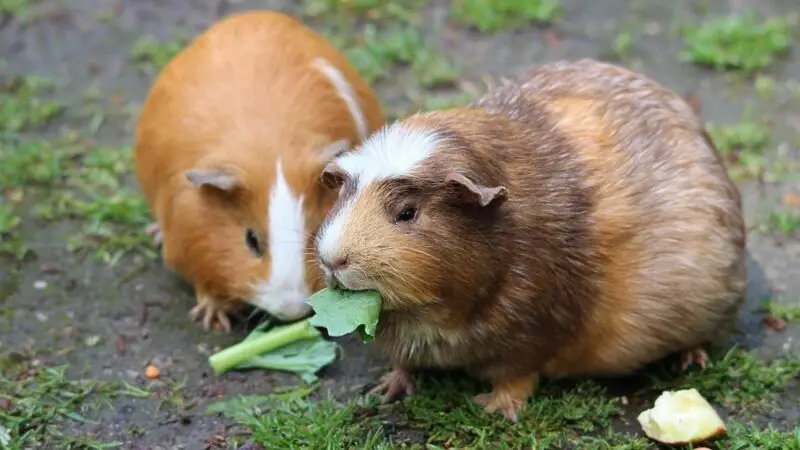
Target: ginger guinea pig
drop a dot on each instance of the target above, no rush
(576, 221)
(229, 148)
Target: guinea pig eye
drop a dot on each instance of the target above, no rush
(251, 240)
(406, 215)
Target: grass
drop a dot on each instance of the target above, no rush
(373, 10)
(442, 412)
(387, 38)
(63, 178)
(751, 437)
(384, 41)
(737, 380)
(24, 103)
(621, 45)
(16, 8)
(741, 42)
(74, 180)
(789, 313)
(490, 16)
(584, 413)
(42, 406)
(152, 55)
(743, 145)
(377, 53)
(785, 221)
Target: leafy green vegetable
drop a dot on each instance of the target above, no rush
(298, 348)
(305, 358)
(342, 312)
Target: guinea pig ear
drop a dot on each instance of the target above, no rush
(216, 179)
(334, 149)
(477, 194)
(332, 176)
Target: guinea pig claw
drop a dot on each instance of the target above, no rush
(393, 384)
(493, 402)
(695, 355)
(210, 315)
(154, 231)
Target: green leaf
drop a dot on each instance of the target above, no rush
(342, 312)
(304, 358)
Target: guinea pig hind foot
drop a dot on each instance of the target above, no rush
(509, 396)
(393, 384)
(696, 355)
(208, 309)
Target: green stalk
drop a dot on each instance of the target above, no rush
(230, 357)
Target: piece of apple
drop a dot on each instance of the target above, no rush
(681, 417)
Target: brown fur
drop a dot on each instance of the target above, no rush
(619, 239)
(240, 96)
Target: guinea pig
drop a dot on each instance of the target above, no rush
(229, 148)
(576, 221)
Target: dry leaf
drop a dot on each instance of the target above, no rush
(791, 200)
(774, 323)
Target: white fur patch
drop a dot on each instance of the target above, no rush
(285, 293)
(345, 92)
(393, 151)
(328, 237)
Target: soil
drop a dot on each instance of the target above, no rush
(139, 310)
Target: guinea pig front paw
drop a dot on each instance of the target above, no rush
(154, 231)
(211, 312)
(393, 384)
(695, 355)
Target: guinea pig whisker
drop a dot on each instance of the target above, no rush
(289, 242)
(420, 252)
(405, 278)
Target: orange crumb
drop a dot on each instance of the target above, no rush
(152, 372)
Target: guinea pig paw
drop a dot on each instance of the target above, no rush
(695, 355)
(154, 231)
(210, 314)
(393, 384)
(493, 402)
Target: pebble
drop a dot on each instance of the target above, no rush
(91, 341)
(51, 268)
(39, 284)
(653, 28)
(236, 376)
(203, 349)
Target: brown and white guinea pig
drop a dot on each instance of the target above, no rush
(229, 148)
(576, 221)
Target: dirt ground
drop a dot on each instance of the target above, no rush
(112, 320)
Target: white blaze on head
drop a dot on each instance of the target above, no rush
(285, 293)
(394, 151)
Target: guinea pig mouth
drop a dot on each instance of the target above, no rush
(334, 281)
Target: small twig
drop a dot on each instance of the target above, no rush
(146, 305)
(135, 272)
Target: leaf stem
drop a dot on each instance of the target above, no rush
(230, 357)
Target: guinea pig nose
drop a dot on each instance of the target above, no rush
(340, 262)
